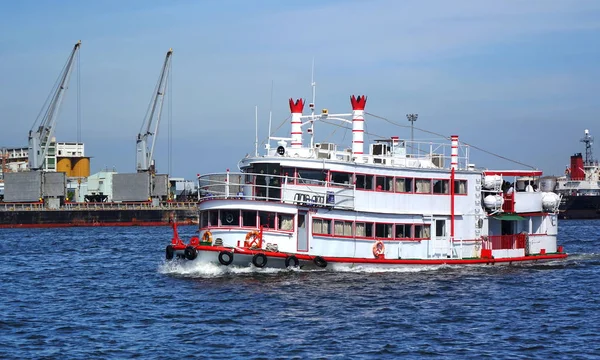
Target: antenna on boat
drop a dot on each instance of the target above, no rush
(256, 130)
(270, 118)
(313, 84)
(588, 140)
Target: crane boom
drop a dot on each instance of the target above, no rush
(145, 157)
(40, 139)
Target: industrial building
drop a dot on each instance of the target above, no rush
(67, 157)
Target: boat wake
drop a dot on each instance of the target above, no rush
(365, 268)
(201, 269)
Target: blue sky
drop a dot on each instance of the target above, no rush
(517, 77)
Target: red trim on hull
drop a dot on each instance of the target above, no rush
(334, 260)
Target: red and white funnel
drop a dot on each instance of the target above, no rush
(296, 109)
(454, 152)
(358, 126)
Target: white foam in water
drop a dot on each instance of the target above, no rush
(202, 269)
(366, 268)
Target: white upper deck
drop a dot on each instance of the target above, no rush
(390, 153)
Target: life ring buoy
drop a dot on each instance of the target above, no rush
(259, 260)
(190, 253)
(378, 249)
(169, 252)
(225, 257)
(207, 237)
(320, 262)
(252, 239)
(291, 261)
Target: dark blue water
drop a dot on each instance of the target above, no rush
(98, 293)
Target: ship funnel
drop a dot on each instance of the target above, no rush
(454, 152)
(358, 126)
(296, 109)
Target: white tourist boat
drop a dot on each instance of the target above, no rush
(321, 205)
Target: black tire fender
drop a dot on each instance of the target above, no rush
(169, 252)
(291, 261)
(190, 253)
(259, 260)
(320, 262)
(225, 257)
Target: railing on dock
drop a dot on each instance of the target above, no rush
(94, 206)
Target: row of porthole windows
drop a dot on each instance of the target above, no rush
(371, 229)
(246, 218)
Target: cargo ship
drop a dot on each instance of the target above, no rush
(37, 215)
(580, 185)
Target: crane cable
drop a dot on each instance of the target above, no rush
(50, 95)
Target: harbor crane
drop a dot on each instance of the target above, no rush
(145, 157)
(40, 138)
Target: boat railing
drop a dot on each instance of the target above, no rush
(93, 206)
(276, 188)
(506, 242)
(412, 154)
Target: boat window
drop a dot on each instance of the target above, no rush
(441, 186)
(213, 217)
(203, 219)
(403, 231)
(266, 169)
(288, 171)
(311, 177)
(364, 229)
(384, 183)
(423, 186)
(301, 221)
(369, 229)
(230, 217)
(249, 179)
(364, 182)
(460, 187)
(423, 231)
(360, 229)
(383, 230)
(321, 226)
(341, 178)
(343, 228)
(267, 219)
(249, 218)
(404, 185)
(286, 222)
(440, 228)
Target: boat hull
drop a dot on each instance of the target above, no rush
(109, 217)
(242, 257)
(580, 207)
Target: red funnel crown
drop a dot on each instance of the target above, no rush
(358, 103)
(297, 106)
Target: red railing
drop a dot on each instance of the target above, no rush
(509, 203)
(504, 242)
